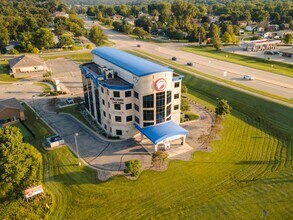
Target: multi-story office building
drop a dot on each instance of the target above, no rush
(126, 94)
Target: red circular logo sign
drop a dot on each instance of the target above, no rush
(160, 84)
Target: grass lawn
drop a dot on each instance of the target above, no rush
(78, 57)
(71, 110)
(254, 62)
(4, 73)
(45, 86)
(190, 115)
(27, 136)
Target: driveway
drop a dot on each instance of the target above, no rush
(98, 153)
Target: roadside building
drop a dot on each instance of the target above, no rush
(11, 111)
(23, 65)
(260, 45)
(287, 52)
(126, 95)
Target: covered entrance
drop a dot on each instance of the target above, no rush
(163, 134)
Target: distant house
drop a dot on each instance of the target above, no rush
(59, 14)
(11, 45)
(249, 28)
(260, 29)
(272, 27)
(242, 24)
(286, 26)
(129, 21)
(22, 65)
(266, 34)
(11, 111)
(214, 19)
(116, 17)
(280, 34)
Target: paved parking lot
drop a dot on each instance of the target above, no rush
(68, 73)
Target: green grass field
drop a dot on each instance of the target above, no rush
(254, 62)
(4, 73)
(78, 57)
(25, 133)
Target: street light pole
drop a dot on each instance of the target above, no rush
(76, 147)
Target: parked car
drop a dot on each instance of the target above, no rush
(138, 45)
(248, 77)
(269, 52)
(189, 64)
(277, 53)
(174, 58)
(69, 101)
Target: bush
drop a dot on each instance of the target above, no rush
(53, 93)
(159, 158)
(133, 167)
(14, 51)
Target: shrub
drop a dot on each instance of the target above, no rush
(159, 158)
(133, 167)
(14, 51)
(53, 93)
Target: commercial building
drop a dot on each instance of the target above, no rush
(23, 65)
(126, 95)
(11, 111)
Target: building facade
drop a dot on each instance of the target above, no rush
(11, 111)
(125, 93)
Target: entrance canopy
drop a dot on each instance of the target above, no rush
(161, 132)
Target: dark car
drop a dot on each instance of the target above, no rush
(189, 64)
(269, 52)
(138, 45)
(174, 58)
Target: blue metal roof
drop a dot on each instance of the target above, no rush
(136, 65)
(160, 132)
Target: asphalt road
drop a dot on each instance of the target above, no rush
(265, 81)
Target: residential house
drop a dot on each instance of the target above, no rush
(272, 27)
(280, 34)
(116, 17)
(59, 14)
(249, 28)
(11, 111)
(260, 29)
(129, 21)
(22, 65)
(266, 34)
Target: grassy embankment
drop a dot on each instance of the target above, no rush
(4, 73)
(249, 170)
(254, 62)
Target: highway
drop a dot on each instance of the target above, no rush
(264, 81)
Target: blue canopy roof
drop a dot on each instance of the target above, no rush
(160, 132)
(136, 65)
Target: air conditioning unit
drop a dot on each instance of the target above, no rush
(109, 74)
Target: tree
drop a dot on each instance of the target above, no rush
(14, 51)
(234, 38)
(43, 38)
(133, 167)
(141, 33)
(184, 89)
(216, 43)
(20, 163)
(127, 28)
(159, 158)
(223, 107)
(214, 31)
(185, 106)
(288, 38)
(4, 36)
(65, 40)
(226, 38)
(97, 35)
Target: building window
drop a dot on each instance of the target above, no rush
(108, 104)
(104, 113)
(160, 99)
(146, 124)
(105, 126)
(136, 107)
(136, 94)
(110, 116)
(102, 89)
(117, 106)
(168, 110)
(148, 101)
(129, 118)
(177, 84)
(128, 106)
(176, 107)
(169, 97)
(169, 119)
(176, 96)
(136, 119)
(103, 101)
(128, 94)
(110, 129)
(118, 118)
(118, 132)
(107, 91)
(148, 115)
(160, 117)
(116, 94)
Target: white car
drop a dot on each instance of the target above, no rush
(248, 77)
(69, 101)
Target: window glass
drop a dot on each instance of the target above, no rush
(148, 115)
(116, 94)
(136, 119)
(128, 106)
(160, 99)
(176, 107)
(136, 107)
(118, 132)
(168, 110)
(169, 97)
(146, 124)
(118, 118)
(177, 84)
(136, 94)
(176, 96)
(129, 118)
(128, 94)
(148, 101)
(117, 106)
